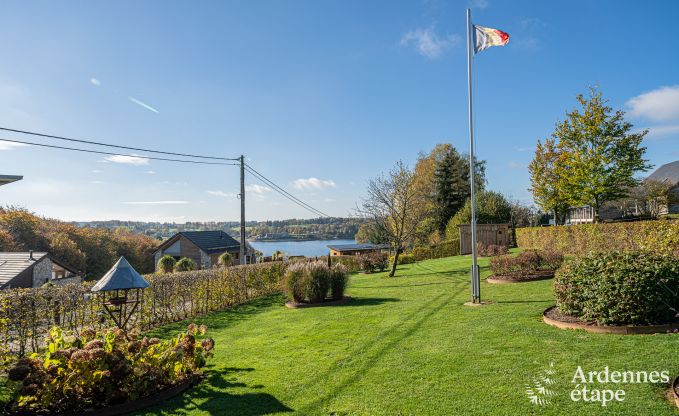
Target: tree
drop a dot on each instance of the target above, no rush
(546, 182)
(166, 264)
(598, 153)
(185, 264)
(491, 208)
(391, 207)
(225, 259)
(368, 233)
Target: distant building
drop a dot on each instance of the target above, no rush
(5, 179)
(356, 249)
(33, 269)
(668, 174)
(203, 247)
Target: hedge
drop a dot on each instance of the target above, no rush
(661, 237)
(26, 315)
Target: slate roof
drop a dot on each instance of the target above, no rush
(5, 179)
(121, 276)
(11, 264)
(211, 242)
(668, 173)
(354, 247)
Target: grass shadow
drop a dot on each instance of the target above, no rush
(367, 302)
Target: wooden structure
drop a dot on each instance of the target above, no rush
(486, 234)
(356, 249)
(121, 291)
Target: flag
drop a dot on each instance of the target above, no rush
(485, 37)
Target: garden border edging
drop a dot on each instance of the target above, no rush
(603, 329)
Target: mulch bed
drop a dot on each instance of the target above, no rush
(554, 317)
(538, 275)
(327, 302)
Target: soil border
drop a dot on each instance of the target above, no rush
(502, 280)
(296, 305)
(604, 329)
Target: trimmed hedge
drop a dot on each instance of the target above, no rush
(525, 264)
(619, 288)
(660, 237)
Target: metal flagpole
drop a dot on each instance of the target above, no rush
(475, 281)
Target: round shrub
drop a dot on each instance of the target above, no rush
(185, 264)
(225, 259)
(293, 281)
(627, 288)
(166, 264)
(316, 281)
(525, 264)
(338, 281)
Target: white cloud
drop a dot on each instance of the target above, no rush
(313, 183)
(428, 43)
(478, 4)
(127, 160)
(97, 171)
(659, 131)
(97, 182)
(143, 104)
(257, 189)
(661, 104)
(151, 172)
(222, 194)
(95, 82)
(155, 202)
(10, 145)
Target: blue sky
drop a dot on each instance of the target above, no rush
(319, 96)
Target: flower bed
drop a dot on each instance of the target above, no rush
(90, 370)
(630, 288)
(528, 265)
(312, 282)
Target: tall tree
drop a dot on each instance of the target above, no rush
(546, 182)
(598, 153)
(391, 205)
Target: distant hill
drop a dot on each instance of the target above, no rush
(292, 229)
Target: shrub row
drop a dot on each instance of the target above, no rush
(660, 237)
(26, 315)
(619, 288)
(437, 251)
(312, 281)
(526, 263)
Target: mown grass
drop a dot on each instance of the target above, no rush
(407, 346)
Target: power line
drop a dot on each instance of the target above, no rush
(285, 193)
(113, 145)
(52, 146)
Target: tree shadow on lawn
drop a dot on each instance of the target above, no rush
(367, 302)
(211, 396)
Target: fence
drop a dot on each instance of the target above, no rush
(26, 315)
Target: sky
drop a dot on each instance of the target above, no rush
(319, 96)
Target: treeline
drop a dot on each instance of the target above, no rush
(91, 251)
(316, 228)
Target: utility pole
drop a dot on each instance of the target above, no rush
(242, 209)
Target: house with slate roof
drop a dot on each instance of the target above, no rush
(668, 174)
(203, 247)
(33, 269)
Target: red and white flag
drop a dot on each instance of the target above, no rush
(485, 37)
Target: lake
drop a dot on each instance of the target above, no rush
(298, 248)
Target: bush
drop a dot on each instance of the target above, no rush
(619, 288)
(491, 250)
(293, 282)
(352, 263)
(316, 281)
(166, 264)
(527, 263)
(338, 281)
(93, 370)
(185, 264)
(403, 258)
(225, 259)
(371, 262)
(661, 237)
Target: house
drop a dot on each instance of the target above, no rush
(203, 247)
(356, 249)
(5, 179)
(668, 174)
(33, 269)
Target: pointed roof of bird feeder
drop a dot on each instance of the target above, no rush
(121, 276)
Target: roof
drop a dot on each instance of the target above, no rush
(11, 264)
(121, 276)
(668, 173)
(211, 242)
(355, 247)
(5, 179)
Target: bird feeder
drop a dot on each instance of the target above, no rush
(121, 291)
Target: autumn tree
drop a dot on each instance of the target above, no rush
(598, 153)
(391, 207)
(546, 182)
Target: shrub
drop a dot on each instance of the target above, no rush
(316, 281)
(225, 259)
(166, 264)
(619, 288)
(293, 282)
(403, 258)
(527, 263)
(185, 264)
(491, 250)
(338, 281)
(90, 370)
(352, 263)
(373, 261)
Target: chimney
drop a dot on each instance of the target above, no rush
(30, 255)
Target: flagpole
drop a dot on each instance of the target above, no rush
(475, 280)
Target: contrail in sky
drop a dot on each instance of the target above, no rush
(143, 104)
